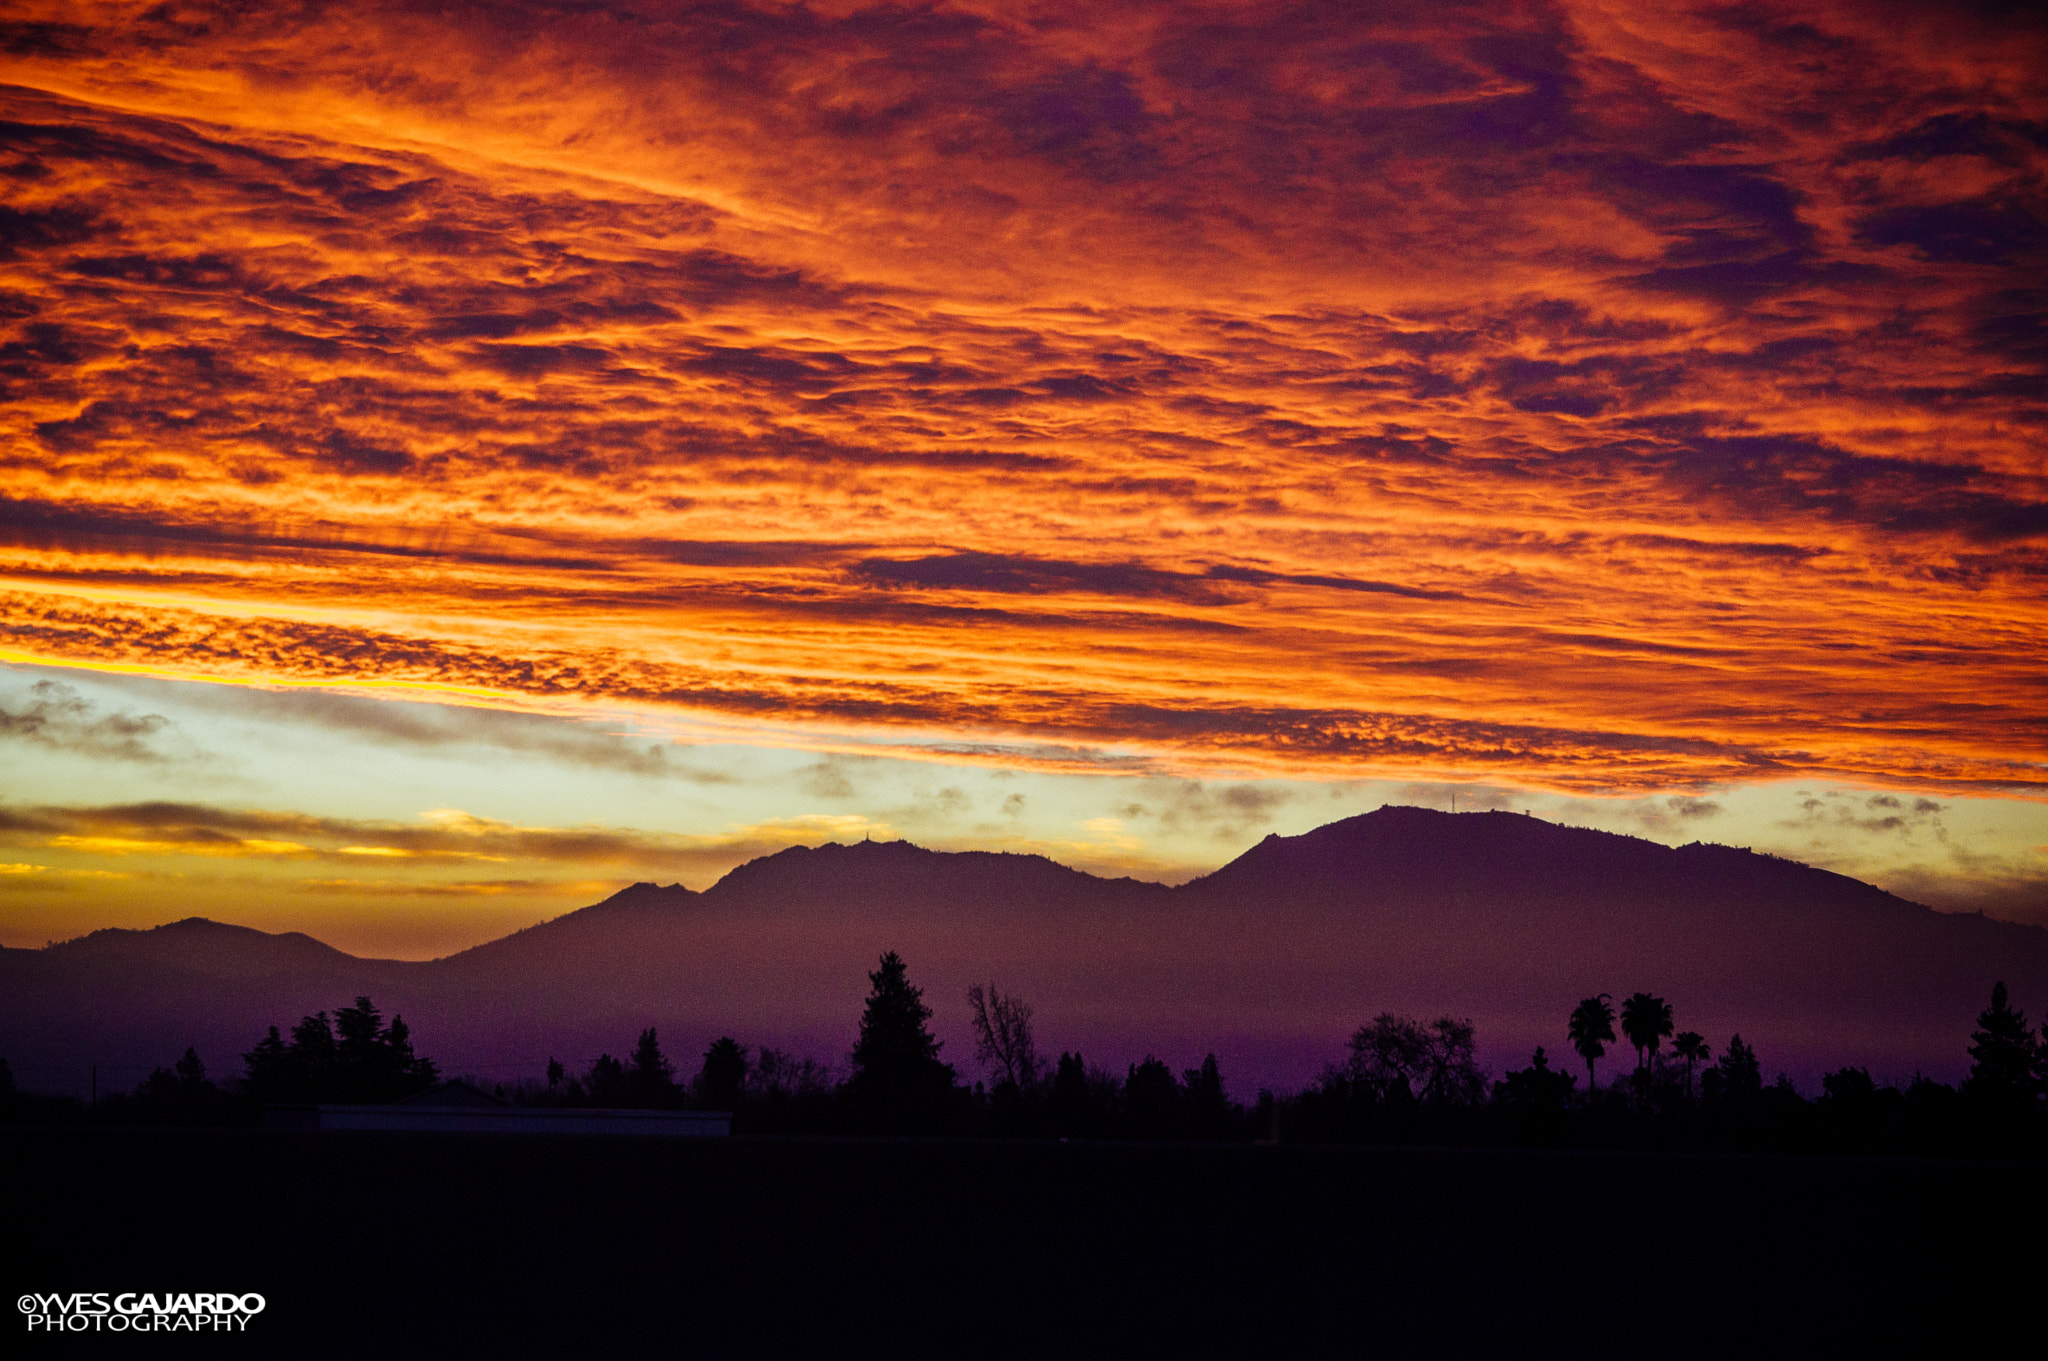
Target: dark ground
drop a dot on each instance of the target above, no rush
(402, 1245)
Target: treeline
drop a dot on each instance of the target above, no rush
(354, 1058)
(896, 1083)
(1399, 1081)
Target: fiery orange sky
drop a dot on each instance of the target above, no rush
(1583, 402)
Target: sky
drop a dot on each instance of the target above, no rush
(456, 460)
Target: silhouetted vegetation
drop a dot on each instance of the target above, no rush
(723, 1078)
(1533, 1101)
(356, 1059)
(2004, 1061)
(1002, 1037)
(1591, 1030)
(899, 1086)
(1691, 1046)
(184, 1095)
(1646, 1020)
(1400, 1080)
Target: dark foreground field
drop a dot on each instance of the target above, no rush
(403, 1245)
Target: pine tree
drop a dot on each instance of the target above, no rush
(368, 1062)
(191, 1070)
(2002, 1056)
(407, 1071)
(607, 1082)
(1152, 1100)
(898, 1081)
(361, 1060)
(313, 1058)
(1070, 1102)
(1738, 1077)
(650, 1077)
(724, 1074)
(1209, 1115)
(269, 1067)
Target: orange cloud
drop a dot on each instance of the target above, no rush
(441, 837)
(1598, 397)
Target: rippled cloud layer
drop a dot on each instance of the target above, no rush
(1598, 398)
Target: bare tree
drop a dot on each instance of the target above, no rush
(1002, 1037)
(1451, 1075)
(776, 1075)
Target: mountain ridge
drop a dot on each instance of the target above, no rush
(1270, 960)
(655, 900)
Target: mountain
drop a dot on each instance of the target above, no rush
(196, 945)
(128, 1001)
(1270, 962)
(1511, 919)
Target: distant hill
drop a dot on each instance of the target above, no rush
(1270, 961)
(200, 946)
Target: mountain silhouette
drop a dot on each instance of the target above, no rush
(206, 947)
(1270, 962)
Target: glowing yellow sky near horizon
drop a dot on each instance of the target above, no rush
(1582, 400)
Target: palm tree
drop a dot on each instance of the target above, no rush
(1591, 1031)
(1691, 1046)
(1645, 1020)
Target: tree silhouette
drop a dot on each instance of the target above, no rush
(779, 1076)
(1070, 1101)
(1537, 1096)
(650, 1081)
(1591, 1030)
(1386, 1057)
(1002, 1037)
(607, 1082)
(1851, 1106)
(1152, 1100)
(1208, 1106)
(1738, 1076)
(1450, 1074)
(408, 1071)
(1403, 1066)
(269, 1069)
(898, 1081)
(373, 1062)
(1691, 1046)
(724, 1075)
(312, 1057)
(181, 1095)
(367, 1062)
(1645, 1020)
(191, 1072)
(2002, 1057)
(359, 1049)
